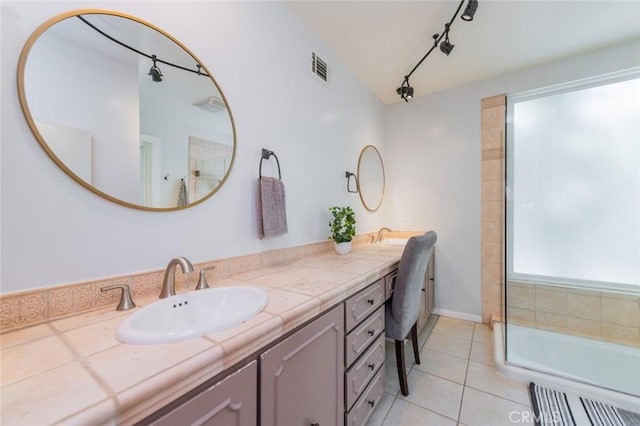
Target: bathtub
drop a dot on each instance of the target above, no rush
(572, 364)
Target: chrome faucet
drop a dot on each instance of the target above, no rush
(169, 282)
(379, 237)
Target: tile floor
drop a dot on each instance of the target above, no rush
(455, 384)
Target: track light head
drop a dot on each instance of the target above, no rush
(405, 91)
(446, 47)
(470, 10)
(155, 74)
(154, 71)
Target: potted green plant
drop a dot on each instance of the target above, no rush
(343, 228)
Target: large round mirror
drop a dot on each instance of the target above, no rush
(126, 110)
(371, 178)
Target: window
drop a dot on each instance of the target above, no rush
(573, 183)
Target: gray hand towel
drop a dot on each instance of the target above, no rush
(272, 214)
(183, 196)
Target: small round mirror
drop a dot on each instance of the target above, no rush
(126, 110)
(371, 178)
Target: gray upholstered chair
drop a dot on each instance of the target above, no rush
(402, 309)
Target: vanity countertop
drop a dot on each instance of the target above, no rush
(74, 371)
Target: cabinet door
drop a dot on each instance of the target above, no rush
(423, 315)
(302, 378)
(231, 402)
(426, 296)
(389, 284)
(431, 282)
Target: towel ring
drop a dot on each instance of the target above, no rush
(265, 156)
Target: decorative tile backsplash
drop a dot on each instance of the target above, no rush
(21, 310)
(31, 307)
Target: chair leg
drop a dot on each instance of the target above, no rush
(402, 371)
(414, 340)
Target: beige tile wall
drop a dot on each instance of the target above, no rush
(587, 313)
(493, 122)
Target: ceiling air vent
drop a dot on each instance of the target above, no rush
(319, 67)
(211, 104)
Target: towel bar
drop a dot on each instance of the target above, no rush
(265, 156)
(348, 176)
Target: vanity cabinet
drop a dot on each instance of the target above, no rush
(389, 284)
(233, 401)
(301, 378)
(330, 372)
(364, 352)
(427, 296)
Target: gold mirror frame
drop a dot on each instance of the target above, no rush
(34, 129)
(360, 176)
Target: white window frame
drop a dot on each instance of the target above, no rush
(511, 277)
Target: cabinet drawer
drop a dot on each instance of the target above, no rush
(389, 284)
(363, 370)
(359, 306)
(364, 406)
(362, 336)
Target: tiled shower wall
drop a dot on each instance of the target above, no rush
(587, 313)
(493, 121)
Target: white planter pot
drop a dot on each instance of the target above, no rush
(343, 248)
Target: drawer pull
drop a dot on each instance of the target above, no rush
(371, 402)
(371, 332)
(371, 301)
(314, 424)
(372, 366)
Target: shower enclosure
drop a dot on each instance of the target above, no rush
(572, 254)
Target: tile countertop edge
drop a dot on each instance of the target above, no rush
(145, 397)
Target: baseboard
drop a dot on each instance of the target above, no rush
(458, 315)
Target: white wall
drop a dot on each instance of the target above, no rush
(433, 163)
(58, 72)
(174, 122)
(54, 231)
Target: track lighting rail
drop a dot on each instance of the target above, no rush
(154, 58)
(405, 90)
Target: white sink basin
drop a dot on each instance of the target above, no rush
(192, 314)
(395, 241)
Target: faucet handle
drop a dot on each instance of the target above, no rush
(202, 282)
(126, 302)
